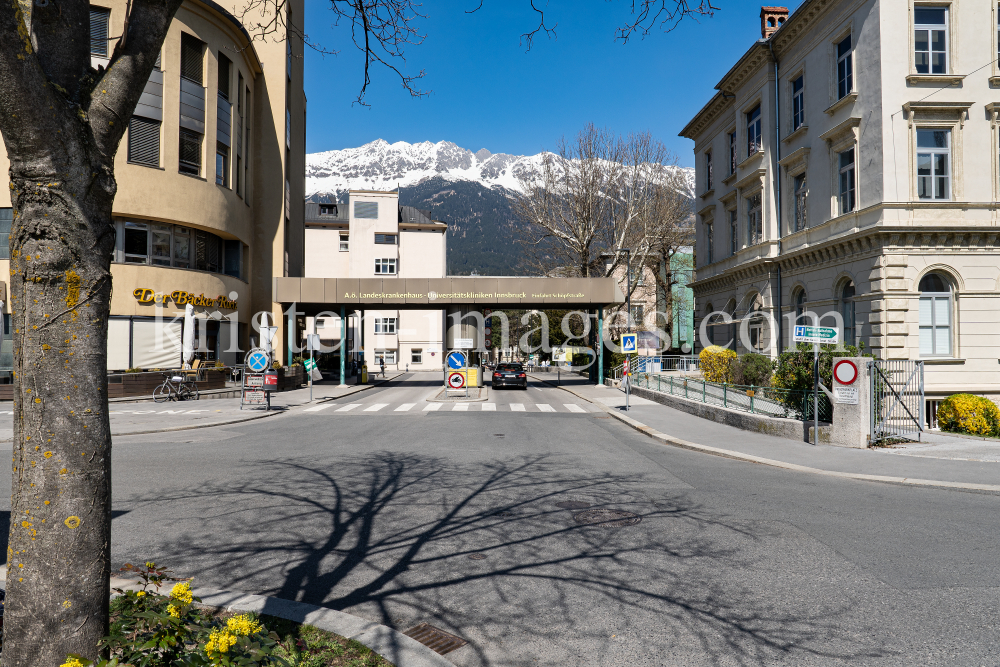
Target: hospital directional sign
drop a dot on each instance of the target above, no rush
(815, 334)
(257, 361)
(629, 343)
(456, 360)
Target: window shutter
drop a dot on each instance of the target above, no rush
(144, 141)
(99, 31)
(192, 66)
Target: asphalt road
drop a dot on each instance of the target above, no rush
(376, 512)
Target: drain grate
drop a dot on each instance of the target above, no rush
(435, 639)
(606, 518)
(477, 556)
(573, 505)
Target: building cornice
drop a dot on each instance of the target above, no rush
(708, 114)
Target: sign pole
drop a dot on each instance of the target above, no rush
(815, 394)
(310, 374)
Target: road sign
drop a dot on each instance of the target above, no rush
(456, 360)
(267, 335)
(845, 371)
(815, 334)
(253, 380)
(257, 361)
(488, 343)
(629, 343)
(312, 343)
(465, 343)
(456, 380)
(845, 395)
(309, 365)
(254, 397)
(488, 331)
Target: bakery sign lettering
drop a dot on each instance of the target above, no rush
(181, 298)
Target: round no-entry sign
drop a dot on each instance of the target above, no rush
(456, 380)
(845, 371)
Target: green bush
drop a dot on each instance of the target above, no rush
(968, 413)
(751, 369)
(794, 368)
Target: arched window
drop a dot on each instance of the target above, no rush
(755, 323)
(935, 316)
(799, 300)
(847, 311)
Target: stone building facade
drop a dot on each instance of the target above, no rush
(849, 164)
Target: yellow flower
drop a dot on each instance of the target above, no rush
(72, 662)
(243, 625)
(140, 594)
(182, 592)
(173, 611)
(220, 641)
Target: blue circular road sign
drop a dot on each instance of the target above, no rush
(456, 360)
(257, 361)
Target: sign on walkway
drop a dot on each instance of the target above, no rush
(456, 360)
(805, 334)
(629, 343)
(456, 380)
(257, 361)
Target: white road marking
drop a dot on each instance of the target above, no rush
(461, 407)
(490, 407)
(545, 407)
(517, 407)
(404, 407)
(376, 407)
(431, 407)
(573, 407)
(317, 408)
(348, 408)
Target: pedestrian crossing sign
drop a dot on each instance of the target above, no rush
(629, 343)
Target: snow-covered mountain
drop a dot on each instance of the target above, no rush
(380, 165)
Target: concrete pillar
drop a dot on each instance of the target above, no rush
(852, 403)
(343, 344)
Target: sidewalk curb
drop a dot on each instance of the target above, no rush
(392, 645)
(750, 458)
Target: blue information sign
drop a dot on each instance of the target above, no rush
(629, 343)
(257, 361)
(456, 360)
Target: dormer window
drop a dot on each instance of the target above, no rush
(327, 209)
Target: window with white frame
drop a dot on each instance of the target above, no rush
(385, 325)
(933, 164)
(755, 223)
(935, 316)
(798, 102)
(930, 40)
(709, 176)
(845, 68)
(416, 356)
(385, 266)
(753, 131)
(800, 191)
(385, 356)
(709, 241)
(845, 191)
(734, 241)
(733, 157)
(345, 241)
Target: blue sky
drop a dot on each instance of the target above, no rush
(487, 92)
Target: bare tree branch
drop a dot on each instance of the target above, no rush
(666, 14)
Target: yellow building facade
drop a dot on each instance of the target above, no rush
(211, 178)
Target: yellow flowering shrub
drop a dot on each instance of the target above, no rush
(182, 592)
(244, 624)
(716, 363)
(220, 641)
(72, 662)
(968, 413)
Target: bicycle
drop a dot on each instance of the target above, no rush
(175, 388)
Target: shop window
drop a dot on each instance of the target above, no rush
(136, 243)
(182, 247)
(160, 235)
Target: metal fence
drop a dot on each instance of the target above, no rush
(659, 364)
(767, 401)
(897, 391)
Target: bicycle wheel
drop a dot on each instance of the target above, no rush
(192, 392)
(161, 393)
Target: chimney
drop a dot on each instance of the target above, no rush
(771, 18)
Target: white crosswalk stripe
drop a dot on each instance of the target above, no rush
(489, 407)
(573, 407)
(376, 407)
(545, 407)
(517, 407)
(461, 407)
(432, 407)
(319, 407)
(405, 407)
(348, 408)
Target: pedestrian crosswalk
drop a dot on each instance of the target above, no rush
(573, 408)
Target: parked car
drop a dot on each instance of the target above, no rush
(510, 375)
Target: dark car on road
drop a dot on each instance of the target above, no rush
(510, 375)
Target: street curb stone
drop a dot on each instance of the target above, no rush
(750, 458)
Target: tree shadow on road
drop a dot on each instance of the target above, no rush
(388, 536)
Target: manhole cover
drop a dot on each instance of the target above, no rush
(477, 556)
(606, 518)
(435, 639)
(573, 505)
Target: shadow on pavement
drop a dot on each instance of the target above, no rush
(388, 536)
